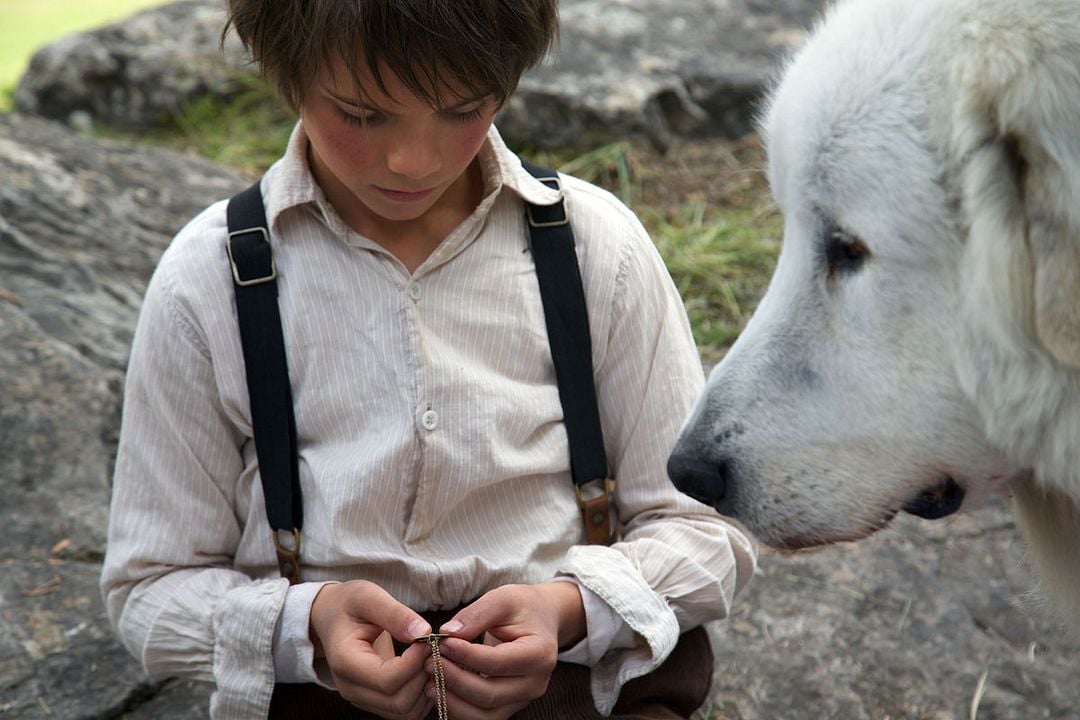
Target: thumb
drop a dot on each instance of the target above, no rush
(407, 625)
(379, 608)
(475, 619)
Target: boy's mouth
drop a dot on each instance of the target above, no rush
(404, 196)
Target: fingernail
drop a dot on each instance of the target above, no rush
(453, 626)
(418, 628)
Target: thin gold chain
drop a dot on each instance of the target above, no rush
(440, 677)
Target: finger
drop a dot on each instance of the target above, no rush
(423, 706)
(524, 656)
(493, 692)
(375, 695)
(462, 708)
(384, 646)
(370, 603)
(364, 667)
(488, 611)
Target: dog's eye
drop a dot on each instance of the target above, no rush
(844, 252)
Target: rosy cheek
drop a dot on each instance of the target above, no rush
(467, 142)
(347, 143)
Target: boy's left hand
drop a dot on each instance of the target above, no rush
(524, 627)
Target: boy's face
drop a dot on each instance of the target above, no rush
(390, 157)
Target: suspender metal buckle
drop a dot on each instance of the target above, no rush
(596, 513)
(544, 221)
(232, 261)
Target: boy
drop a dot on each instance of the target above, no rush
(433, 458)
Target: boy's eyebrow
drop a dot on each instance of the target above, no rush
(371, 106)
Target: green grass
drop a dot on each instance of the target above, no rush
(26, 25)
(721, 262)
(720, 257)
(249, 131)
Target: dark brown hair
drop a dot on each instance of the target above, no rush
(482, 46)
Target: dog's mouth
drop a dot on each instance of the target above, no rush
(941, 499)
(938, 501)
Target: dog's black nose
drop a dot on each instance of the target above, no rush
(701, 480)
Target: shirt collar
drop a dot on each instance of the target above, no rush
(293, 185)
(502, 169)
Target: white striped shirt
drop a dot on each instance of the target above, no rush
(433, 456)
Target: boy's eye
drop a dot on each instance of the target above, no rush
(372, 118)
(359, 121)
(468, 115)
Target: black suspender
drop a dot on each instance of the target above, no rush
(272, 421)
(551, 241)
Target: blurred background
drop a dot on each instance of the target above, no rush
(26, 26)
(120, 119)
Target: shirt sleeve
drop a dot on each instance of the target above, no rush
(604, 630)
(679, 564)
(294, 653)
(168, 582)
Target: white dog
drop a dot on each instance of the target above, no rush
(919, 344)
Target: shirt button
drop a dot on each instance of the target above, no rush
(430, 420)
(415, 290)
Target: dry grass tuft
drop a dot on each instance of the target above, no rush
(707, 206)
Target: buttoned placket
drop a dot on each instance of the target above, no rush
(428, 418)
(426, 415)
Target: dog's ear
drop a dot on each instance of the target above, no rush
(1016, 134)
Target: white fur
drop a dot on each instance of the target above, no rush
(945, 135)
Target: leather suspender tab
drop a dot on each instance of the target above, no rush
(597, 515)
(288, 555)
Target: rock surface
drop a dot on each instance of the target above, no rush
(923, 621)
(910, 623)
(81, 226)
(656, 68)
(653, 68)
(901, 626)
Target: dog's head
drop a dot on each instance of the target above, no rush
(926, 160)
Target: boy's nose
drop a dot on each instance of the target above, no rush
(414, 157)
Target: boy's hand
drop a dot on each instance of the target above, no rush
(351, 626)
(525, 626)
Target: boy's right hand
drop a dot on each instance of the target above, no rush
(347, 622)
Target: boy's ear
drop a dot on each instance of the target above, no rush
(1017, 112)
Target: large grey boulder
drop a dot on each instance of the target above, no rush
(81, 226)
(902, 626)
(656, 68)
(135, 74)
(652, 68)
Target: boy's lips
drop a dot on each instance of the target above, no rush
(404, 196)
